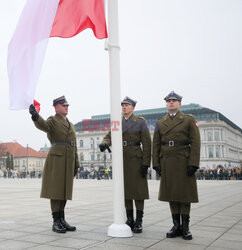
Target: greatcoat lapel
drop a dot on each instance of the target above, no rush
(172, 123)
(63, 121)
(129, 124)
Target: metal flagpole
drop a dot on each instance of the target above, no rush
(118, 228)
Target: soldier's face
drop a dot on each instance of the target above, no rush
(173, 106)
(127, 109)
(61, 109)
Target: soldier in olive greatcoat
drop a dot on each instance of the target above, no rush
(176, 156)
(62, 161)
(137, 157)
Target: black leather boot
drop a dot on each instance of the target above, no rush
(64, 223)
(138, 223)
(130, 218)
(176, 229)
(186, 234)
(57, 226)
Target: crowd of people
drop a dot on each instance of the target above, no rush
(220, 173)
(9, 173)
(101, 173)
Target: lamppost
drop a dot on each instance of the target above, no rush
(27, 156)
(104, 159)
(93, 147)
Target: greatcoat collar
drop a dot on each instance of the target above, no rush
(171, 123)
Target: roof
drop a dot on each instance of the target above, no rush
(17, 150)
(151, 115)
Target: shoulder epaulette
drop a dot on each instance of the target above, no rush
(141, 117)
(50, 118)
(190, 115)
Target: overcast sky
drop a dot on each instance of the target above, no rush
(193, 47)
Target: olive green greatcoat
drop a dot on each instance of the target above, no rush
(58, 174)
(135, 130)
(175, 184)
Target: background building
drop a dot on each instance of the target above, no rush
(221, 139)
(22, 159)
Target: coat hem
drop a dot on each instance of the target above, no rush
(54, 198)
(183, 201)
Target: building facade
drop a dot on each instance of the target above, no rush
(221, 139)
(23, 159)
(88, 150)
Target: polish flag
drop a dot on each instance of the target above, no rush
(41, 19)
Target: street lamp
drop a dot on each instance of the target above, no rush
(27, 156)
(93, 146)
(104, 159)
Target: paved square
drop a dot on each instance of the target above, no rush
(25, 219)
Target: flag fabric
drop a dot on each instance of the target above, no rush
(37, 106)
(74, 16)
(39, 20)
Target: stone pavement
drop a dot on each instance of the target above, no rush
(25, 219)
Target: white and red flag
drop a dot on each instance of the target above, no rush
(40, 20)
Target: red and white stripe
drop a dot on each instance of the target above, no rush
(41, 19)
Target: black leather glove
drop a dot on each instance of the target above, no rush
(191, 170)
(103, 146)
(157, 169)
(75, 171)
(33, 112)
(144, 170)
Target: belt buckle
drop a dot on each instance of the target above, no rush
(72, 143)
(125, 143)
(171, 143)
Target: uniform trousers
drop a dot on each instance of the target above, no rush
(57, 205)
(139, 204)
(180, 207)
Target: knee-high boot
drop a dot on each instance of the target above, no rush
(138, 222)
(176, 229)
(130, 218)
(57, 226)
(186, 234)
(64, 223)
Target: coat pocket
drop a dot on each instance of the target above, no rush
(187, 154)
(56, 152)
(139, 154)
(161, 155)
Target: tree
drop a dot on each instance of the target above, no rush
(3, 150)
(9, 161)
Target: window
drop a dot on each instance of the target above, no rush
(218, 153)
(98, 157)
(210, 151)
(210, 135)
(81, 156)
(216, 135)
(92, 157)
(81, 143)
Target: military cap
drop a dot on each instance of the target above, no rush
(128, 100)
(173, 96)
(60, 100)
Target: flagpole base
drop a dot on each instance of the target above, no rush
(119, 230)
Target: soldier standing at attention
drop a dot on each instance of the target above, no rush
(62, 161)
(136, 156)
(176, 156)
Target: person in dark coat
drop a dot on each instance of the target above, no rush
(176, 157)
(62, 161)
(136, 161)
